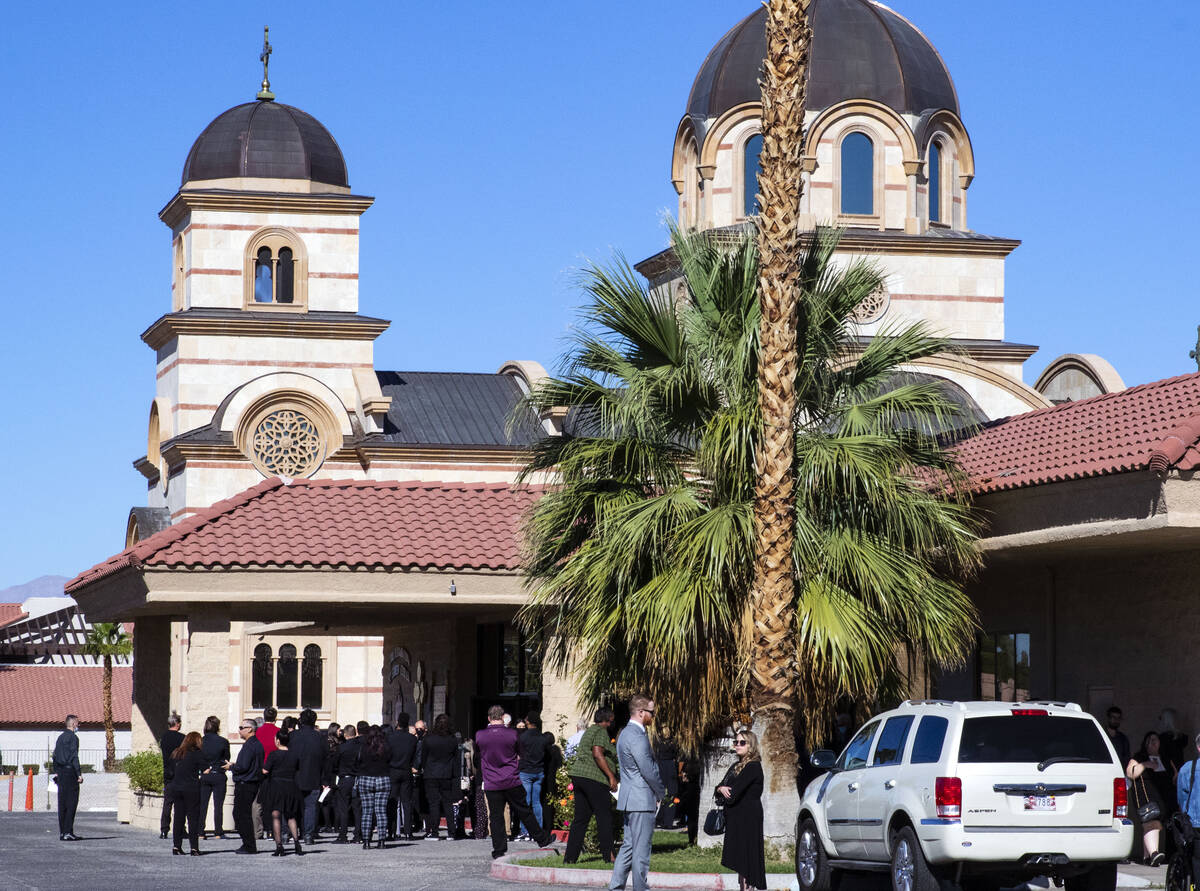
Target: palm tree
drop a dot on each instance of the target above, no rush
(640, 555)
(770, 619)
(106, 640)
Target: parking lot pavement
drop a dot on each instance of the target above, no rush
(115, 857)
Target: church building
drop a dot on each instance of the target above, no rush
(320, 532)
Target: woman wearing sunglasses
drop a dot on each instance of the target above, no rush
(741, 793)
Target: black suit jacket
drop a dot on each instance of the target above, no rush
(347, 757)
(171, 740)
(248, 767)
(402, 746)
(439, 757)
(309, 747)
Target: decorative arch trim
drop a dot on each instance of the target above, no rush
(978, 370)
(230, 414)
(288, 433)
(721, 128)
(945, 121)
(836, 114)
(684, 133)
(1096, 368)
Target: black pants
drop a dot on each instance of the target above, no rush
(669, 771)
(347, 809)
(243, 813)
(400, 803)
(441, 794)
(186, 801)
(515, 799)
(68, 801)
(591, 799)
(212, 786)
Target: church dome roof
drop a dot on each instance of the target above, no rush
(860, 50)
(266, 139)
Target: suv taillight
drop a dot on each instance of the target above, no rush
(1120, 799)
(948, 797)
(1030, 711)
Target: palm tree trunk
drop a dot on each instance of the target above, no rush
(773, 691)
(110, 746)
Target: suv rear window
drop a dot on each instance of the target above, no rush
(1008, 739)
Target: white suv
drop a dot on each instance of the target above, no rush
(980, 794)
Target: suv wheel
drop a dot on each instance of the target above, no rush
(909, 870)
(1101, 877)
(812, 865)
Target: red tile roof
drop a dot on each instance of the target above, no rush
(342, 523)
(45, 694)
(1154, 426)
(10, 612)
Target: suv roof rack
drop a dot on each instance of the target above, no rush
(1073, 706)
(946, 702)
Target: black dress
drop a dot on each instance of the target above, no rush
(280, 792)
(743, 852)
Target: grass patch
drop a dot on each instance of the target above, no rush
(669, 852)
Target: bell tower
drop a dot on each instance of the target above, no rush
(264, 365)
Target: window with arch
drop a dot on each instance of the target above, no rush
(287, 671)
(177, 276)
(288, 677)
(262, 677)
(857, 174)
(935, 182)
(312, 671)
(751, 167)
(276, 270)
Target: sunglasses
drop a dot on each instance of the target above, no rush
(740, 742)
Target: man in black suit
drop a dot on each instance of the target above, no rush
(247, 775)
(171, 740)
(309, 748)
(344, 767)
(403, 746)
(68, 774)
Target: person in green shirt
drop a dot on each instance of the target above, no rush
(593, 773)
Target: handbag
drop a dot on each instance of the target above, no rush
(1151, 809)
(714, 822)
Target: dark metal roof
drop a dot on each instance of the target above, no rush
(151, 520)
(456, 409)
(860, 50)
(266, 139)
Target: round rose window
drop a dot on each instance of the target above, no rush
(287, 443)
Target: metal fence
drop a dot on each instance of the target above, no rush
(41, 758)
(98, 792)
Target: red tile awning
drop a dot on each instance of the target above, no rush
(1154, 426)
(46, 694)
(341, 524)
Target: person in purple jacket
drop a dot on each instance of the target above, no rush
(498, 758)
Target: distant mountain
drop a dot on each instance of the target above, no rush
(45, 586)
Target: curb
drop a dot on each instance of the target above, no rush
(505, 869)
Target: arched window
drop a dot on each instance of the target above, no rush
(750, 170)
(276, 270)
(935, 183)
(858, 175)
(286, 677)
(311, 676)
(262, 670)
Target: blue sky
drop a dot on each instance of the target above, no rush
(506, 144)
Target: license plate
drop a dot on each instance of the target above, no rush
(1039, 802)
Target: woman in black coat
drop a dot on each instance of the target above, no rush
(280, 796)
(441, 768)
(215, 749)
(183, 792)
(741, 793)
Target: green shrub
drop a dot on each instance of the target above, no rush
(6, 769)
(145, 771)
(25, 768)
(87, 768)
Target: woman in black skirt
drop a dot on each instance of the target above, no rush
(741, 793)
(280, 796)
(183, 793)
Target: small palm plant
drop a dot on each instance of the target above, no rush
(106, 640)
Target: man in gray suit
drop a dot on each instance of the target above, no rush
(638, 796)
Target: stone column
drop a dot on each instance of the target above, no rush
(560, 702)
(151, 682)
(206, 663)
